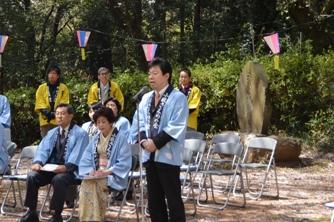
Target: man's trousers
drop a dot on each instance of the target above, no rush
(60, 183)
(163, 182)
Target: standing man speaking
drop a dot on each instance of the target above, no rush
(163, 115)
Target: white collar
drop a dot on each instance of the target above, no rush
(104, 86)
(162, 91)
(66, 129)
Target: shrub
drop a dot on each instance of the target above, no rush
(301, 93)
(321, 129)
(25, 126)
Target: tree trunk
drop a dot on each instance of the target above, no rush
(181, 49)
(304, 18)
(197, 30)
(137, 32)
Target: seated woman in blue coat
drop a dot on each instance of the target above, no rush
(105, 164)
(121, 123)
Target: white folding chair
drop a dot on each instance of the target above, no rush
(134, 176)
(265, 145)
(66, 216)
(230, 169)
(19, 174)
(225, 137)
(194, 135)
(134, 180)
(192, 160)
(11, 148)
(331, 206)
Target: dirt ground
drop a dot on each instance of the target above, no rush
(305, 187)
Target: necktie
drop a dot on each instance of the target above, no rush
(62, 136)
(156, 99)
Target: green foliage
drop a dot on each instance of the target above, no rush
(25, 126)
(321, 129)
(299, 88)
(130, 83)
(217, 82)
(300, 92)
(78, 88)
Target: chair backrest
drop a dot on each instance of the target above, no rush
(263, 143)
(134, 155)
(134, 149)
(229, 137)
(11, 149)
(193, 144)
(28, 152)
(228, 149)
(266, 144)
(228, 154)
(193, 147)
(194, 135)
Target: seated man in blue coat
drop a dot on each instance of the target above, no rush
(63, 146)
(5, 119)
(4, 158)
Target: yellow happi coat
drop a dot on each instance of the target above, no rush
(42, 101)
(115, 92)
(193, 102)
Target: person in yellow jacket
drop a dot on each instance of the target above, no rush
(48, 96)
(194, 97)
(104, 89)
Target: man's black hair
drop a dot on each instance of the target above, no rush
(164, 66)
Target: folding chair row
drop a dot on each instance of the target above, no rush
(230, 169)
(241, 162)
(19, 174)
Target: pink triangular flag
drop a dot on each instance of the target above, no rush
(273, 43)
(3, 41)
(149, 50)
(83, 37)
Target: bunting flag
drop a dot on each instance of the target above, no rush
(3, 41)
(273, 43)
(149, 50)
(83, 37)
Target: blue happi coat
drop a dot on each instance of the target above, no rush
(5, 118)
(133, 131)
(77, 142)
(119, 162)
(123, 124)
(4, 158)
(173, 121)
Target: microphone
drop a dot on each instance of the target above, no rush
(140, 94)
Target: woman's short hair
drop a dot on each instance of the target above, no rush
(95, 106)
(106, 112)
(186, 70)
(117, 103)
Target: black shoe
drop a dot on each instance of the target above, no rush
(70, 204)
(56, 218)
(118, 196)
(129, 195)
(30, 216)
